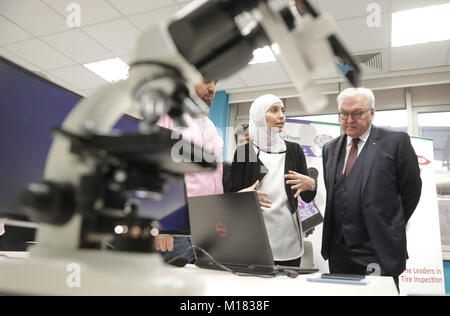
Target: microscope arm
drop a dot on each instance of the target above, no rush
(202, 42)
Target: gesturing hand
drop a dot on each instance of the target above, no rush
(300, 182)
(262, 201)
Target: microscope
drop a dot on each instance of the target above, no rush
(85, 201)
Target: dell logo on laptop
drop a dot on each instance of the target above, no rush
(221, 229)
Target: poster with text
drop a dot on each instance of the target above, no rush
(424, 274)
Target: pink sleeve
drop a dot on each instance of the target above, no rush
(166, 122)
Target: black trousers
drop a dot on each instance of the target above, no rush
(361, 259)
(290, 263)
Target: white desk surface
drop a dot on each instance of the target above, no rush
(222, 283)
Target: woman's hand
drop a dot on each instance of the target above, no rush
(300, 182)
(262, 201)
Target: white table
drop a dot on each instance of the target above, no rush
(222, 283)
(210, 282)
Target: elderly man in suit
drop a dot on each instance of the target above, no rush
(373, 186)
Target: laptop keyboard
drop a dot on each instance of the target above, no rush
(240, 268)
(258, 269)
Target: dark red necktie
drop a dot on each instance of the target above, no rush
(352, 156)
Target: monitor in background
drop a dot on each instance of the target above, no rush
(127, 124)
(18, 236)
(30, 108)
(171, 210)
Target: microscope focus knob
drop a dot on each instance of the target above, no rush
(48, 202)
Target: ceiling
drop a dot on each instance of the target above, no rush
(34, 34)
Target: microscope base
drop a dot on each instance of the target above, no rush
(96, 273)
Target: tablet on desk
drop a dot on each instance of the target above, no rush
(349, 279)
(341, 276)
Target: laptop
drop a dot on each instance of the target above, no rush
(230, 228)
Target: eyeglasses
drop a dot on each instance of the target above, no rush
(354, 115)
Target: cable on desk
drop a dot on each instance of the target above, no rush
(10, 258)
(217, 263)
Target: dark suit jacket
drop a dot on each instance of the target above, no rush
(226, 176)
(247, 168)
(390, 193)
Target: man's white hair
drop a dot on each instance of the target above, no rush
(354, 92)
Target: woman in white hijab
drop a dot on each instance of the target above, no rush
(278, 170)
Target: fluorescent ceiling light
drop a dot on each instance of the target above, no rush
(264, 55)
(112, 70)
(422, 25)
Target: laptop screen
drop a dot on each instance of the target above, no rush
(230, 227)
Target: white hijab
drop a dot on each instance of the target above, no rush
(259, 132)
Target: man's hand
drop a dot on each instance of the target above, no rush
(262, 201)
(300, 182)
(164, 243)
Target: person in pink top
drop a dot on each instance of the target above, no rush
(203, 133)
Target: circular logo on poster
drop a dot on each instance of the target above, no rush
(221, 229)
(321, 140)
(423, 161)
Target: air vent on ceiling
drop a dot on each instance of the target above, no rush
(374, 61)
